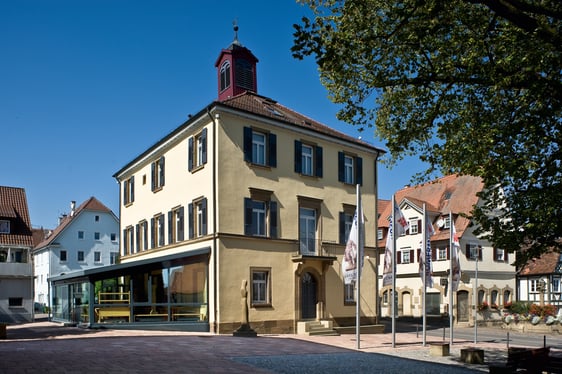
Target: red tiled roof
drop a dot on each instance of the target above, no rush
(13, 207)
(264, 106)
(452, 193)
(91, 204)
(546, 264)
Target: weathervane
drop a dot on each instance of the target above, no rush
(235, 27)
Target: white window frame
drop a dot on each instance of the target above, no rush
(307, 220)
(307, 160)
(259, 156)
(261, 286)
(348, 167)
(129, 193)
(259, 216)
(414, 225)
(349, 293)
(441, 254)
(405, 256)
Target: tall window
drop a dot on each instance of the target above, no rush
(307, 230)
(257, 217)
(350, 169)
(225, 75)
(494, 297)
(97, 256)
(157, 223)
(506, 297)
(555, 285)
(97, 236)
(128, 241)
(63, 255)
(175, 225)
(80, 256)
(113, 257)
(481, 297)
(260, 214)
(447, 222)
(533, 285)
(197, 150)
(442, 253)
(197, 218)
(346, 221)
(349, 293)
(157, 173)
(81, 234)
(129, 191)
(261, 294)
(260, 148)
(308, 159)
(142, 236)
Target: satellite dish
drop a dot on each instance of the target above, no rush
(440, 223)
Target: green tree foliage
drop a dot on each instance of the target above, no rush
(471, 87)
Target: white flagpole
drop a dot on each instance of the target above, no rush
(393, 231)
(451, 296)
(359, 212)
(424, 279)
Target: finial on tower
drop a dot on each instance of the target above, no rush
(235, 27)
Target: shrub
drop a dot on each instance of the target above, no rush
(542, 311)
(483, 306)
(520, 307)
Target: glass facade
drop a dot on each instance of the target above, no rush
(167, 294)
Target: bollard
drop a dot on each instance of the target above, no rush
(443, 334)
(508, 340)
(544, 341)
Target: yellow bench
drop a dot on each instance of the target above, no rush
(115, 311)
(111, 311)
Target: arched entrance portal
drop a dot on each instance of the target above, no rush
(308, 296)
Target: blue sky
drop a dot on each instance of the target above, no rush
(86, 86)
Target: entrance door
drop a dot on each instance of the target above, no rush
(308, 296)
(462, 306)
(406, 304)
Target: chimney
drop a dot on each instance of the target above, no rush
(72, 207)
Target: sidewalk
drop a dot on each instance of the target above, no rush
(48, 346)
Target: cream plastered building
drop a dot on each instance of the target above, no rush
(258, 199)
(487, 276)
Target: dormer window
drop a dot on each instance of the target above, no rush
(225, 75)
(4, 226)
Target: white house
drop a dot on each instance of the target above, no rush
(16, 243)
(483, 267)
(85, 238)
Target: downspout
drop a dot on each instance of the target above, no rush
(377, 256)
(215, 249)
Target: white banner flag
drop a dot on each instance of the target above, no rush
(349, 263)
(455, 260)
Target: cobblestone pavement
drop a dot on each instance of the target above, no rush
(50, 347)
